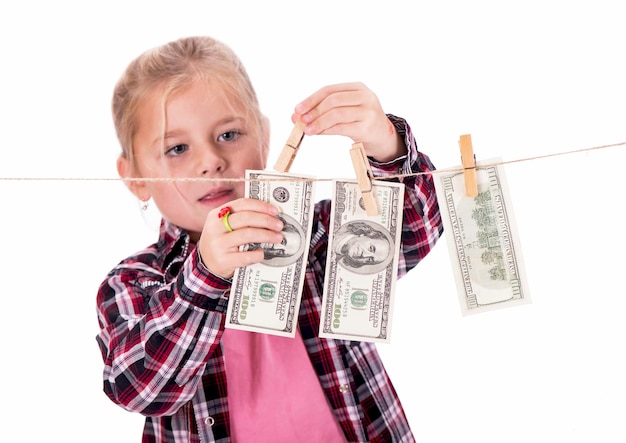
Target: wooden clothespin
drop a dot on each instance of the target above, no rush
(468, 159)
(364, 177)
(288, 154)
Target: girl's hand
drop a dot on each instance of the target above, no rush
(352, 110)
(252, 221)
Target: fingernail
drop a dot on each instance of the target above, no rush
(300, 108)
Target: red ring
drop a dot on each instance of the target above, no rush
(225, 210)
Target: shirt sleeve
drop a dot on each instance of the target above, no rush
(155, 337)
(422, 225)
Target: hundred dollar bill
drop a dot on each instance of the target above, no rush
(362, 263)
(265, 297)
(482, 240)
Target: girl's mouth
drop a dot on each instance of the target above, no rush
(216, 194)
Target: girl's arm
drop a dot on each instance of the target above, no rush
(157, 335)
(422, 225)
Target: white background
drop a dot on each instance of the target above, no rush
(525, 79)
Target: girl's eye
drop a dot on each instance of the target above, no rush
(229, 136)
(176, 150)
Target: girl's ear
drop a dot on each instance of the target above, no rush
(138, 188)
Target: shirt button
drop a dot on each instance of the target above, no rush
(343, 389)
(209, 421)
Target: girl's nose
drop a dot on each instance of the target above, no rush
(211, 161)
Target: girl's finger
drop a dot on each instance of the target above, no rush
(247, 204)
(245, 236)
(250, 219)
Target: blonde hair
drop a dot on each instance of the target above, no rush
(174, 67)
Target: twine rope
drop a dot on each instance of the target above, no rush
(386, 177)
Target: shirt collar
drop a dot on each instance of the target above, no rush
(173, 241)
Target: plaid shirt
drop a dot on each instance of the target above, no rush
(162, 313)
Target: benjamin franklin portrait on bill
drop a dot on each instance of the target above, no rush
(363, 247)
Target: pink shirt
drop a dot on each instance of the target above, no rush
(274, 394)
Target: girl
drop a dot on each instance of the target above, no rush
(188, 110)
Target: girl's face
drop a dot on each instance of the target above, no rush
(205, 136)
